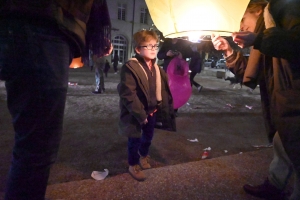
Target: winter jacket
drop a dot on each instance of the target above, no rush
(282, 43)
(134, 98)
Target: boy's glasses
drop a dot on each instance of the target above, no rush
(150, 46)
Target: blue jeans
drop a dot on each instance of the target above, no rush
(140, 146)
(281, 169)
(99, 78)
(34, 61)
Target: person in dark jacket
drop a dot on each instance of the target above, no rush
(174, 47)
(143, 92)
(38, 39)
(115, 62)
(280, 41)
(106, 67)
(195, 66)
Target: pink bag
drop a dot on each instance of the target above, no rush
(179, 82)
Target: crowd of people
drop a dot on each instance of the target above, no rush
(36, 83)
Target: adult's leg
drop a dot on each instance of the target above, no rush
(280, 171)
(115, 67)
(296, 192)
(292, 149)
(193, 82)
(97, 79)
(35, 61)
(101, 74)
(281, 167)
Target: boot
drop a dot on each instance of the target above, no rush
(136, 172)
(144, 162)
(265, 190)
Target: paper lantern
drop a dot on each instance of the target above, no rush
(195, 18)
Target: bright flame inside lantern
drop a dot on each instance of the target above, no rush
(76, 63)
(196, 18)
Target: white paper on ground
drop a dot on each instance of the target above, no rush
(193, 140)
(99, 175)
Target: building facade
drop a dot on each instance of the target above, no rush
(127, 17)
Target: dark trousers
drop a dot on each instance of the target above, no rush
(115, 67)
(140, 146)
(192, 76)
(34, 61)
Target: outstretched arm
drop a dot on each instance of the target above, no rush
(221, 44)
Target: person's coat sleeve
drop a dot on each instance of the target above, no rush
(281, 44)
(237, 63)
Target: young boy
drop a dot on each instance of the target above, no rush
(144, 95)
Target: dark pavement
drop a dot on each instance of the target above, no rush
(224, 117)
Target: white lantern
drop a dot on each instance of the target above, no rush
(196, 18)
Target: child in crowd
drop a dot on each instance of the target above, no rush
(144, 97)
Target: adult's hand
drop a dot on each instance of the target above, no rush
(221, 44)
(170, 53)
(244, 38)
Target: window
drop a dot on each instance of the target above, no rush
(144, 16)
(120, 48)
(121, 11)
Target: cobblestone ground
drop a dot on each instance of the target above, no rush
(224, 117)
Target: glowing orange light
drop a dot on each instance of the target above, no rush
(76, 63)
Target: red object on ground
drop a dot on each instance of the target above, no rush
(204, 155)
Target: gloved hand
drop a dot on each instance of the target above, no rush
(269, 21)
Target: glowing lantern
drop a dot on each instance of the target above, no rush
(196, 18)
(76, 63)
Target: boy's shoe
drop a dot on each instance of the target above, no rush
(144, 162)
(136, 172)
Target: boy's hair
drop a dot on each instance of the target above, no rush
(143, 36)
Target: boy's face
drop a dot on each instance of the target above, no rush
(148, 50)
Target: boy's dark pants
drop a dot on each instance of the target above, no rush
(140, 146)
